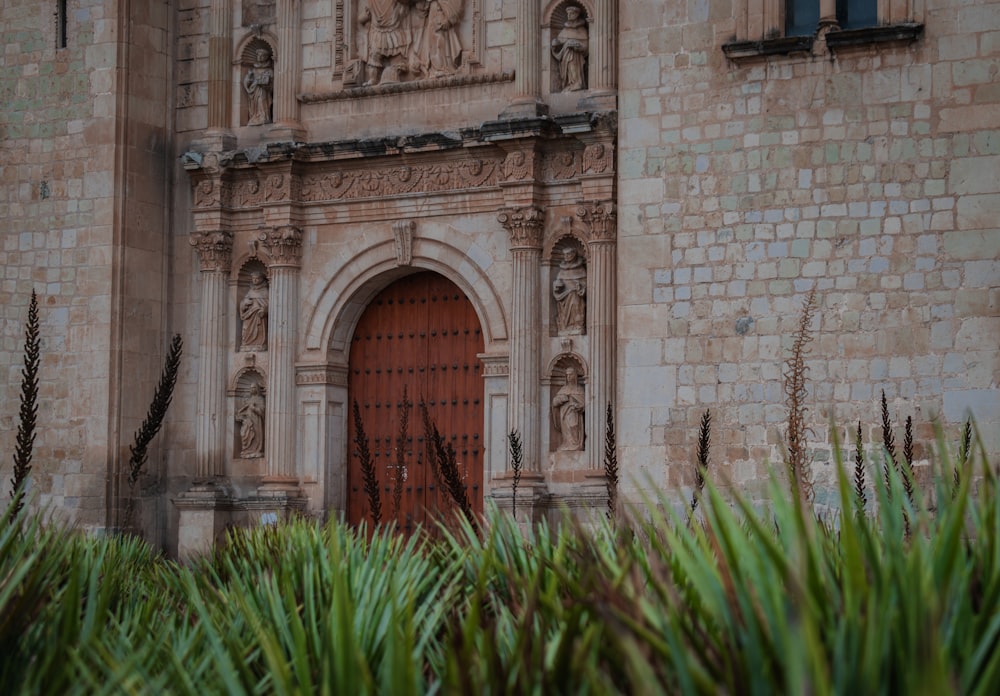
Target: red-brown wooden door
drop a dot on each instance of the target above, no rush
(421, 332)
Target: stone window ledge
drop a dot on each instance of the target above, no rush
(838, 39)
(780, 46)
(907, 32)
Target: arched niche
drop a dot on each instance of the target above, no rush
(252, 303)
(562, 36)
(568, 286)
(250, 404)
(248, 54)
(567, 378)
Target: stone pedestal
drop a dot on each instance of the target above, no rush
(273, 504)
(206, 510)
(533, 499)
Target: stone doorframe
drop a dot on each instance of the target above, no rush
(321, 376)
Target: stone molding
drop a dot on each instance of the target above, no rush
(332, 375)
(524, 225)
(495, 365)
(215, 250)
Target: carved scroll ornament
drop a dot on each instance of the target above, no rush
(601, 218)
(285, 245)
(215, 249)
(524, 225)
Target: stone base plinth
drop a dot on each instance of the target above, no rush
(206, 511)
(532, 502)
(272, 505)
(525, 108)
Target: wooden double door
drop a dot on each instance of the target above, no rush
(421, 334)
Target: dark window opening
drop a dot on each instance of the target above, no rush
(855, 14)
(801, 17)
(60, 23)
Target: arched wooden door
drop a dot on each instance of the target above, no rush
(421, 333)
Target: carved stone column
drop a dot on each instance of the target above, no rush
(285, 245)
(601, 219)
(205, 508)
(528, 63)
(525, 227)
(215, 252)
(286, 72)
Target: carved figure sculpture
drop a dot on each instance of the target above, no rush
(253, 313)
(259, 86)
(251, 420)
(439, 52)
(389, 39)
(567, 413)
(570, 290)
(570, 48)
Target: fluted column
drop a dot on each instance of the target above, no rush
(215, 253)
(524, 405)
(603, 46)
(286, 69)
(220, 42)
(601, 310)
(528, 63)
(285, 246)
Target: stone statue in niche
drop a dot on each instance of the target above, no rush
(251, 419)
(253, 314)
(259, 86)
(568, 412)
(570, 48)
(570, 289)
(438, 50)
(390, 36)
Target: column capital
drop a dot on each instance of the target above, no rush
(601, 219)
(524, 225)
(215, 249)
(284, 242)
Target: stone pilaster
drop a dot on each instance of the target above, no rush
(219, 65)
(525, 225)
(528, 66)
(285, 246)
(601, 219)
(215, 253)
(286, 73)
(603, 35)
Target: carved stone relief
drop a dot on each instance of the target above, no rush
(215, 249)
(404, 41)
(284, 243)
(568, 412)
(571, 48)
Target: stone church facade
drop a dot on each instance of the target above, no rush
(517, 212)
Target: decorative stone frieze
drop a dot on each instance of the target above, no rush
(520, 165)
(284, 244)
(208, 193)
(215, 249)
(524, 225)
(402, 235)
(601, 219)
(399, 179)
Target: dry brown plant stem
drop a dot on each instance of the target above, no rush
(611, 463)
(796, 372)
(364, 455)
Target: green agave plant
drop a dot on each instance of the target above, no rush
(734, 600)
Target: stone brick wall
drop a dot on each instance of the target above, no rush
(81, 225)
(871, 176)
